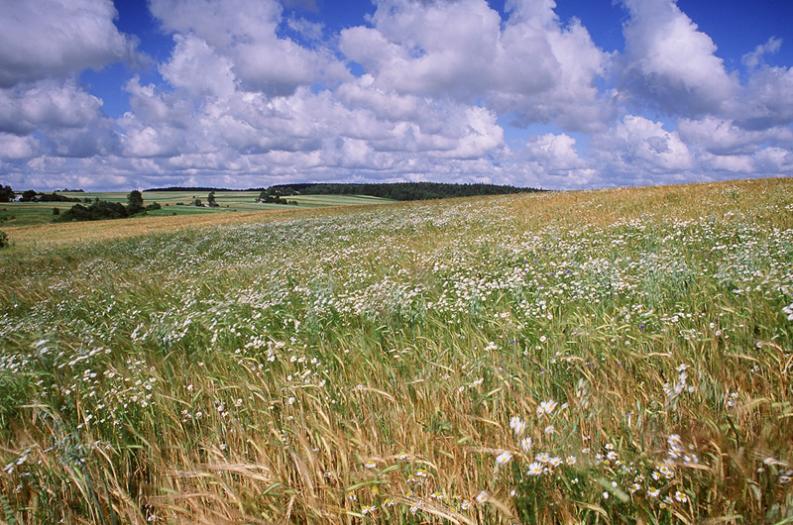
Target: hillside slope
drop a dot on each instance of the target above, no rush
(546, 358)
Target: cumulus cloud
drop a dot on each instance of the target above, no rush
(250, 95)
(552, 160)
(556, 152)
(529, 64)
(669, 61)
(24, 109)
(641, 150)
(775, 161)
(723, 137)
(44, 45)
(766, 100)
(196, 67)
(66, 119)
(244, 32)
(13, 147)
(52, 38)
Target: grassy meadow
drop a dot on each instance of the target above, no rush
(621, 356)
(174, 203)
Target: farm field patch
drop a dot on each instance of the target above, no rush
(174, 203)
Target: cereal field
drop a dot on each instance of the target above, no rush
(621, 356)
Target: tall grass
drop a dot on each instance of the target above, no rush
(616, 356)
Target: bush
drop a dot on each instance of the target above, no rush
(3, 239)
(56, 211)
(96, 211)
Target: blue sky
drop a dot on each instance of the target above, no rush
(571, 94)
(737, 27)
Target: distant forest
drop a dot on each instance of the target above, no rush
(400, 191)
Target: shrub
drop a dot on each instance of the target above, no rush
(96, 211)
(3, 239)
(28, 195)
(56, 211)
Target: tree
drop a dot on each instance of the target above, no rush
(56, 211)
(28, 195)
(6, 194)
(211, 200)
(135, 201)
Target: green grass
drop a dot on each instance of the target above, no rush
(614, 356)
(26, 214)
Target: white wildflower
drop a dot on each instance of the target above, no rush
(517, 425)
(503, 458)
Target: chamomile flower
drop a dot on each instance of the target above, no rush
(503, 458)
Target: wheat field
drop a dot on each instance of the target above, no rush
(615, 356)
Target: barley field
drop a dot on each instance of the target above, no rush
(620, 356)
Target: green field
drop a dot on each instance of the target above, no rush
(621, 356)
(174, 203)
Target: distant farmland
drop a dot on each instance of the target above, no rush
(28, 213)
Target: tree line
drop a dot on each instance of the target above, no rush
(400, 191)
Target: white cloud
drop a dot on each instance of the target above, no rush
(552, 160)
(756, 57)
(244, 33)
(724, 137)
(197, 68)
(738, 164)
(66, 119)
(533, 66)
(51, 38)
(641, 150)
(670, 62)
(311, 31)
(13, 147)
(556, 152)
(775, 161)
(242, 104)
(766, 100)
(46, 104)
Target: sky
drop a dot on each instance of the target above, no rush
(565, 94)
